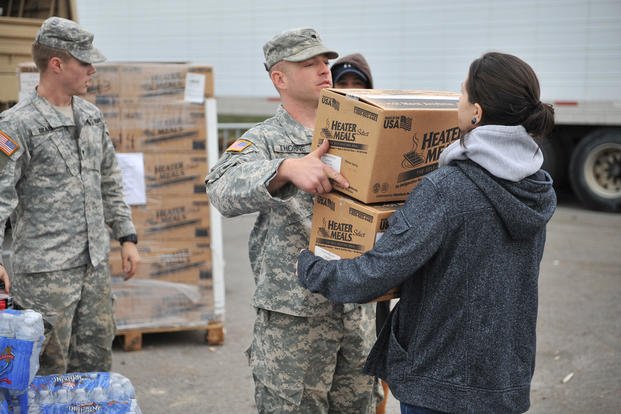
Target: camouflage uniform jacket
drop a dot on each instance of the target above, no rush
(63, 192)
(237, 185)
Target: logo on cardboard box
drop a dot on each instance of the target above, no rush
(365, 114)
(424, 161)
(394, 122)
(381, 188)
(360, 214)
(339, 235)
(343, 135)
(332, 102)
(326, 202)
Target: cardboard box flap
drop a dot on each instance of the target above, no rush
(402, 99)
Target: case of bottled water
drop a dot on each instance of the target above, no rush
(21, 338)
(86, 392)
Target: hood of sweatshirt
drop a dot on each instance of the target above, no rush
(524, 207)
(504, 163)
(507, 152)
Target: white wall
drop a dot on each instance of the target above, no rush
(575, 46)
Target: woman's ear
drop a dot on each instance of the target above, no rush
(478, 114)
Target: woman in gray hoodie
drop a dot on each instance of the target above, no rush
(465, 249)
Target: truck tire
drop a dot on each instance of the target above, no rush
(554, 159)
(595, 170)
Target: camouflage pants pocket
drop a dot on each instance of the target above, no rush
(55, 295)
(93, 327)
(312, 364)
(276, 360)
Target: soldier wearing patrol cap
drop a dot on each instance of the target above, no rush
(307, 354)
(62, 187)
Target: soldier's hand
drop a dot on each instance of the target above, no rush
(310, 174)
(130, 259)
(4, 277)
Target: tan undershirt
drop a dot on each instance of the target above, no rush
(65, 110)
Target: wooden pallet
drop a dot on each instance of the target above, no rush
(132, 338)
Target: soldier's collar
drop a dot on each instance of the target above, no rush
(300, 134)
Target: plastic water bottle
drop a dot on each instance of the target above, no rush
(79, 395)
(33, 403)
(63, 396)
(45, 398)
(116, 392)
(123, 386)
(98, 394)
(134, 408)
(7, 324)
(29, 327)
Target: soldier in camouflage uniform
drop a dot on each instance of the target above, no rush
(62, 188)
(307, 354)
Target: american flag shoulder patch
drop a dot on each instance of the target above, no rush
(7, 145)
(239, 145)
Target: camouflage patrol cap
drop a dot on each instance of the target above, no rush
(295, 45)
(67, 35)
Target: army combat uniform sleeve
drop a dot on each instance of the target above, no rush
(238, 185)
(238, 182)
(12, 157)
(116, 212)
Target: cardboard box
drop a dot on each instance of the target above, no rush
(115, 81)
(175, 173)
(384, 141)
(137, 123)
(173, 217)
(180, 261)
(343, 228)
(156, 126)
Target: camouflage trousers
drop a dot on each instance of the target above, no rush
(313, 364)
(76, 305)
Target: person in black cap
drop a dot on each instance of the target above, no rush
(61, 185)
(352, 71)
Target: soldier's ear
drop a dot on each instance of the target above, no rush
(279, 79)
(55, 64)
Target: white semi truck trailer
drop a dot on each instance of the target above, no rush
(584, 151)
(573, 45)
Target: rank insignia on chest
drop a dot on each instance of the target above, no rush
(7, 145)
(239, 145)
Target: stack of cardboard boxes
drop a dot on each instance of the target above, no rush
(151, 119)
(383, 142)
(144, 106)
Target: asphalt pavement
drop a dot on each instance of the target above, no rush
(578, 345)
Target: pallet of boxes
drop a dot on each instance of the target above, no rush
(383, 142)
(156, 117)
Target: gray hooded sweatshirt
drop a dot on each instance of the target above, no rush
(465, 249)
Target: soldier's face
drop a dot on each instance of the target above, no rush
(306, 79)
(76, 76)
